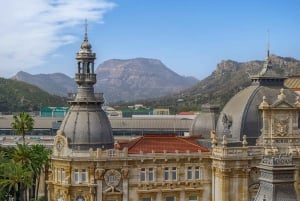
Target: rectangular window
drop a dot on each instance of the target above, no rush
(59, 174)
(170, 198)
(189, 173)
(56, 174)
(193, 198)
(83, 175)
(197, 173)
(76, 176)
(166, 174)
(63, 174)
(143, 174)
(151, 174)
(174, 173)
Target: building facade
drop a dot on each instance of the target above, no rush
(88, 165)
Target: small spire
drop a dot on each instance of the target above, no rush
(264, 104)
(85, 45)
(244, 141)
(85, 33)
(268, 44)
(224, 141)
(214, 142)
(281, 96)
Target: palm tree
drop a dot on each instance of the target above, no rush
(13, 175)
(22, 155)
(40, 159)
(22, 123)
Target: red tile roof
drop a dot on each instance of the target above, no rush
(160, 143)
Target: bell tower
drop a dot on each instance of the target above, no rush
(85, 76)
(86, 125)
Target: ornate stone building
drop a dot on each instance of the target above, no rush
(87, 165)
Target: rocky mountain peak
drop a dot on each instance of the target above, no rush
(119, 80)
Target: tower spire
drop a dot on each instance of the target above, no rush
(85, 28)
(268, 44)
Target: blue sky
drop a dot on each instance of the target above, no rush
(189, 36)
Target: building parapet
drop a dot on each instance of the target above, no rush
(121, 154)
(255, 151)
(230, 152)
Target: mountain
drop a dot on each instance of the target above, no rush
(228, 78)
(135, 79)
(119, 80)
(16, 96)
(56, 83)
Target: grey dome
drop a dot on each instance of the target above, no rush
(87, 126)
(206, 121)
(241, 115)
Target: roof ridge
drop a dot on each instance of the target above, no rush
(192, 143)
(134, 142)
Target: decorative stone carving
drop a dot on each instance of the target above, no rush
(125, 172)
(281, 127)
(112, 177)
(227, 121)
(99, 173)
(224, 141)
(245, 143)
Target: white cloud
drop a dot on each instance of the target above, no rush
(32, 29)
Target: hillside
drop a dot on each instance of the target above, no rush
(134, 79)
(229, 78)
(56, 83)
(119, 80)
(16, 96)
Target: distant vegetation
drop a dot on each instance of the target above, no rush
(228, 79)
(16, 96)
(126, 80)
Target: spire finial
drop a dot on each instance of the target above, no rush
(268, 43)
(85, 26)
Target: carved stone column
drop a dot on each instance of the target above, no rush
(99, 190)
(125, 172)
(99, 178)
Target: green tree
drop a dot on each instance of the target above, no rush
(13, 175)
(39, 162)
(22, 155)
(22, 123)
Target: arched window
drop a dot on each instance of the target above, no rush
(79, 67)
(60, 198)
(80, 198)
(88, 67)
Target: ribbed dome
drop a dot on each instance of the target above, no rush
(241, 116)
(87, 126)
(206, 121)
(85, 47)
